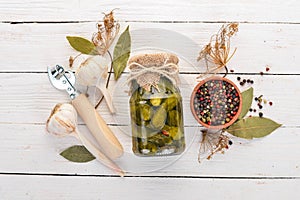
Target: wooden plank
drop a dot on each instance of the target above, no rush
(156, 10)
(32, 47)
(41, 187)
(29, 98)
(27, 148)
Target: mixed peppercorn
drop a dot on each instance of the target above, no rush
(216, 102)
(260, 101)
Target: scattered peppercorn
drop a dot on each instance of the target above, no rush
(265, 101)
(230, 142)
(261, 73)
(248, 80)
(251, 81)
(250, 109)
(267, 69)
(270, 103)
(254, 110)
(244, 81)
(260, 98)
(238, 78)
(260, 114)
(260, 106)
(231, 70)
(256, 99)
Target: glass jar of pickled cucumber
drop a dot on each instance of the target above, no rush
(156, 114)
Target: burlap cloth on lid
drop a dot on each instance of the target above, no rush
(147, 69)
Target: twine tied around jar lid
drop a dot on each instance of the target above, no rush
(147, 69)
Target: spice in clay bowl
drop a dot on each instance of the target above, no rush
(216, 102)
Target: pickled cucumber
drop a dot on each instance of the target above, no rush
(174, 118)
(159, 118)
(156, 120)
(145, 111)
(175, 133)
(155, 101)
(171, 102)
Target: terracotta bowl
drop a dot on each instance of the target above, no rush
(216, 102)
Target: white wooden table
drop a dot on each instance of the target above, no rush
(32, 36)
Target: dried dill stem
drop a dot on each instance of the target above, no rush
(217, 51)
(212, 142)
(72, 59)
(103, 39)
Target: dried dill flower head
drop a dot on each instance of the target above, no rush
(211, 143)
(106, 33)
(217, 52)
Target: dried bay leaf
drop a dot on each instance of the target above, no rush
(247, 97)
(121, 53)
(77, 153)
(253, 127)
(82, 45)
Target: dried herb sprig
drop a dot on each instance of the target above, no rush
(106, 33)
(212, 142)
(217, 51)
(101, 40)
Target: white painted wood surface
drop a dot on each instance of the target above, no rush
(30, 166)
(49, 187)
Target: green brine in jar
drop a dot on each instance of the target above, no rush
(155, 105)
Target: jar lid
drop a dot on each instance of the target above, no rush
(154, 59)
(147, 69)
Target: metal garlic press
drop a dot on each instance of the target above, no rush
(65, 80)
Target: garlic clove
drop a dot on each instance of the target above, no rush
(62, 120)
(101, 157)
(92, 70)
(107, 97)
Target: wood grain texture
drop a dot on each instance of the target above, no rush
(29, 149)
(47, 187)
(31, 167)
(35, 97)
(33, 47)
(156, 10)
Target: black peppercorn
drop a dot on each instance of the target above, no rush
(260, 114)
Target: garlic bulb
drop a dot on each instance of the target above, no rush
(63, 122)
(93, 72)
